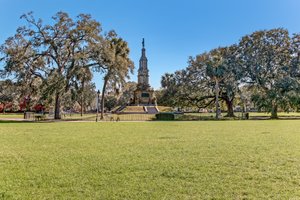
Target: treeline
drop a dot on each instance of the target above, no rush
(263, 68)
(54, 63)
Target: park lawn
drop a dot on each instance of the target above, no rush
(150, 160)
(11, 115)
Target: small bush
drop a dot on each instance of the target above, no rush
(167, 116)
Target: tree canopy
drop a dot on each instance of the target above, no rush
(266, 62)
(60, 56)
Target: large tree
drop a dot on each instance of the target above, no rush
(21, 66)
(171, 94)
(113, 61)
(294, 94)
(266, 58)
(83, 88)
(55, 51)
(215, 76)
(210, 77)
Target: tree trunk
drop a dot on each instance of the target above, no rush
(274, 111)
(229, 104)
(81, 107)
(217, 98)
(102, 97)
(82, 99)
(199, 109)
(57, 106)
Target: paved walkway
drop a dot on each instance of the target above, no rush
(15, 119)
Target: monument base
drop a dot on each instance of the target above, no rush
(144, 97)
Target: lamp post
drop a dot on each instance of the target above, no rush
(98, 95)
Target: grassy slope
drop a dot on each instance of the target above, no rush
(134, 109)
(9, 115)
(154, 160)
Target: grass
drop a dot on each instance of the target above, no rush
(11, 115)
(164, 109)
(134, 109)
(150, 160)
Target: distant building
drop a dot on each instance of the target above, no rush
(144, 94)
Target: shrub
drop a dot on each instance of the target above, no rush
(167, 116)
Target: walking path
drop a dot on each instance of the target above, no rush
(15, 119)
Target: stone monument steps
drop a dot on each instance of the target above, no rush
(120, 109)
(151, 109)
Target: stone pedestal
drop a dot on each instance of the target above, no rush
(144, 97)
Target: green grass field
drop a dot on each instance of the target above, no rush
(13, 115)
(150, 160)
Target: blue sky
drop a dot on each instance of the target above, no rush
(173, 29)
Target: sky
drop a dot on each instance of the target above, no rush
(173, 29)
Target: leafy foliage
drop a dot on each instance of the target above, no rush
(54, 61)
(268, 61)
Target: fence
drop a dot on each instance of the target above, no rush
(107, 117)
(129, 117)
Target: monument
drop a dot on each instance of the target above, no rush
(144, 94)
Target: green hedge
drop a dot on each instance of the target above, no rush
(167, 116)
